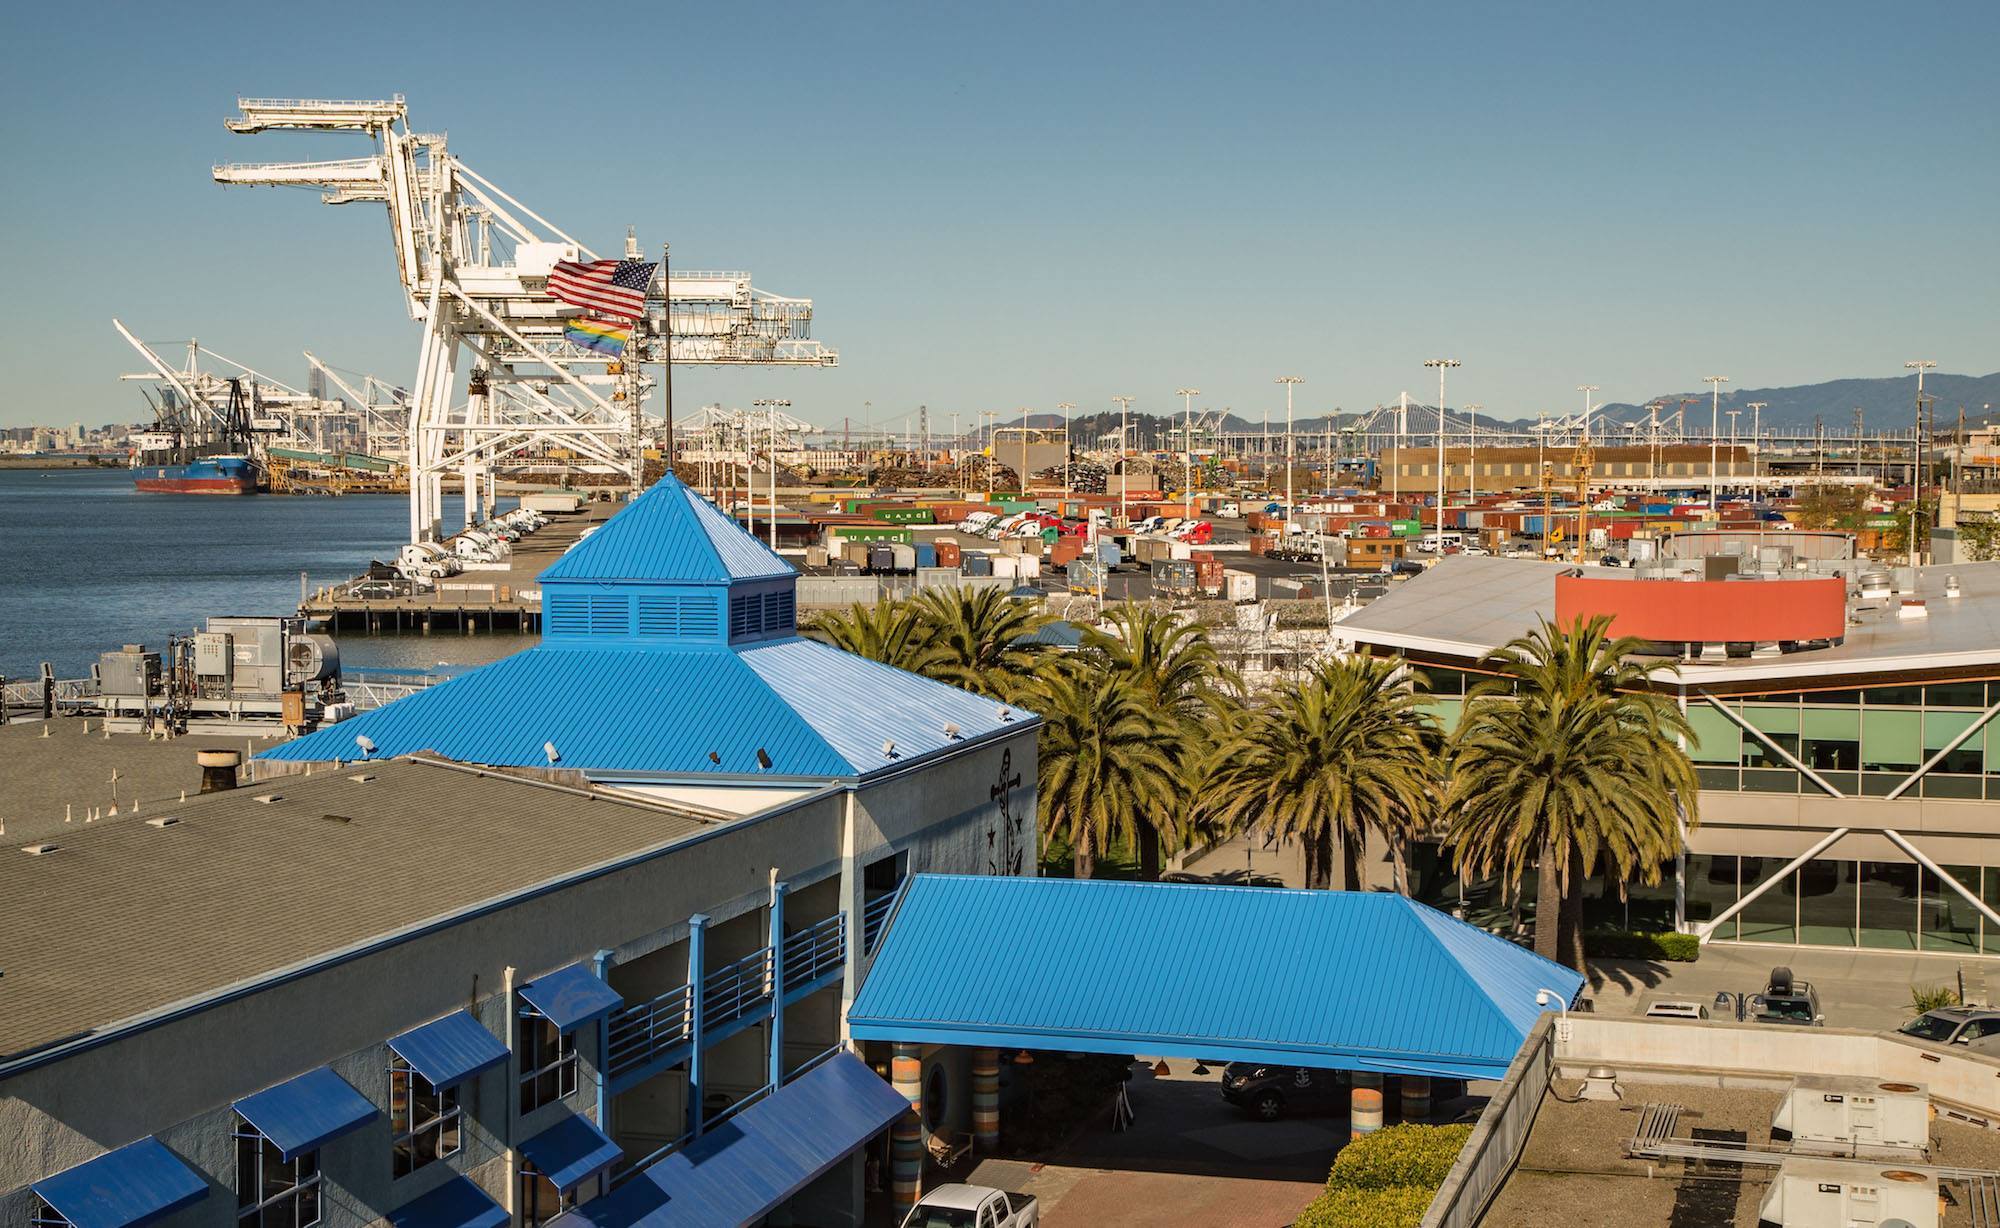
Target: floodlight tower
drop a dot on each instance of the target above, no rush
(1756, 440)
(1290, 382)
(1067, 407)
(1715, 383)
(771, 407)
(1472, 409)
(1124, 408)
(1919, 365)
(1187, 396)
(1443, 365)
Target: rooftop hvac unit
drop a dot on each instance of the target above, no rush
(1831, 1114)
(1812, 1193)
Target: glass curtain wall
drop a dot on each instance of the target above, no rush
(1863, 743)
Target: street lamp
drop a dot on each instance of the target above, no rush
(1290, 382)
(1065, 407)
(1443, 365)
(1715, 383)
(1124, 407)
(770, 406)
(1733, 415)
(1472, 409)
(1919, 365)
(1756, 440)
(1187, 396)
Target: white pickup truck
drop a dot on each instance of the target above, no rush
(974, 1206)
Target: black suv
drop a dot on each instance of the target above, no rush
(1270, 1092)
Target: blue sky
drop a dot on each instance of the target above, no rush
(998, 206)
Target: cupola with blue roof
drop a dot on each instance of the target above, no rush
(670, 570)
(670, 650)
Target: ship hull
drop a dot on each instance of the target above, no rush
(227, 475)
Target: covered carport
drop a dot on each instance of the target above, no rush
(1368, 982)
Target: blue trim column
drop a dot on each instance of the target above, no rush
(600, 964)
(777, 984)
(697, 972)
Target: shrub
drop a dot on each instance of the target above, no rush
(1930, 997)
(1629, 944)
(1400, 1206)
(1405, 1155)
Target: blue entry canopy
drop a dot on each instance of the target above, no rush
(1347, 980)
(571, 1151)
(303, 1113)
(458, 1203)
(133, 1185)
(740, 1171)
(450, 1050)
(569, 996)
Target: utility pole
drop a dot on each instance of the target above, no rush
(1290, 382)
(1187, 396)
(1443, 365)
(1756, 442)
(666, 364)
(1715, 383)
(1066, 407)
(1733, 415)
(1919, 365)
(1124, 410)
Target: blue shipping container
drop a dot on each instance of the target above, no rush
(926, 554)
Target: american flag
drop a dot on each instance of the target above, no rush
(614, 287)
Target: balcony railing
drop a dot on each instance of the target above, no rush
(873, 916)
(735, 989)
(815, 951)
(642, 1032)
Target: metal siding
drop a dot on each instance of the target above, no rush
(669, 533)
(571, 1151)
(450, 1050)
(569, 996)
(301, 1114)
(742, 1170)
(1360, 980)
(133, 1185)
(458, 1203)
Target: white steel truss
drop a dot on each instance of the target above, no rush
(474, 264)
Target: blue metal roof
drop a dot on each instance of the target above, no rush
(1346, 980)
(132, 1185)
(450, 1050)
(670, 533)
(739, 1172)
(458, 1203)
(303, 1113)
(569, 996)
(571, 1151)
(815, 711)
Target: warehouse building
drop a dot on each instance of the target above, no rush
(582, 920)
(1844, 734)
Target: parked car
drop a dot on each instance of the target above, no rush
(1271, 1092)
(377, 589)
(1785, 999)
(1973, 1026)
(974, 1206)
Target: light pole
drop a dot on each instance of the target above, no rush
(1919, 365)
(1124, 408)
(1066, 407)
(1715, 383)
(1187, 396)
(1733, 414)
(1472, 409)
(1756, 441)
(1290, 382)
(1443, 365)
(770, 406)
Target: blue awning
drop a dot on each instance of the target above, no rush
(571, 1151)
(136, 1184)
(450, 1050)
(569, 996)
(740, 1171)
(458, 1203)
(301, 1114)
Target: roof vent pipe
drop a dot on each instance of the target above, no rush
(218, 769)
(1951, 586)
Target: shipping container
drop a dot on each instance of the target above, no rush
(1239, 586)
(976, 563)
(1109, 554)
(905, 557)
(926, 555)
(905, 515)
(948, 554)
(881, 558)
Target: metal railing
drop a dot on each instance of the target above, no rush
(366, 696)
(873, 915)
(69, 692)
(735, 989)
(642, 1032)
(813, 952)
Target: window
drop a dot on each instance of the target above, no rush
(272, 1192)
(424, 1121)
(540, 1200)
(548, 1063)
(42, 1215)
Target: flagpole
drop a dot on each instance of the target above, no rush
(667, 355)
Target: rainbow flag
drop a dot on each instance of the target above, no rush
(604, 336)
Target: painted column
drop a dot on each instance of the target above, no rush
(1416, 1097)
(777, 984)
(697, 973)
(906, 1136)
(600, 963)
(986, 1100)
(1364, 1114)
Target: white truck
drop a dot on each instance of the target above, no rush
(974, 1206)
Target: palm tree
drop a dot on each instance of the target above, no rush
(1338, 754)
(1105, 763)
(1570, 761)
(887, 631)
(1171, 663)
(977, 639)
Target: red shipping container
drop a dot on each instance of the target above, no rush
(1202, 556)
(1065, 550)
(1260, 543)
(948, 554)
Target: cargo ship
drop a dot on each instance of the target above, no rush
(203, 475)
